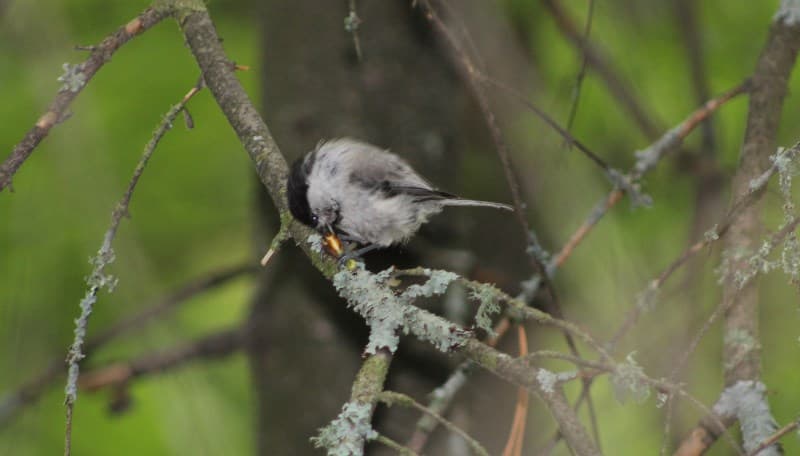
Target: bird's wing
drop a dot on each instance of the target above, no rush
(419, 193)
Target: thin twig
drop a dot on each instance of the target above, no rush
(600, 63)
(647, 161)
(275, 245)
(740, 303)
(576, 92)
(351, 24)
(392, 398)
(476, 81)
(469, 73)
(401, 450)
(714, 234)
(514, 444)
(98, 279)
(30, 391)
(773, 439)
(686, 12)
(75, 79)
(443, 396)
(216, 345)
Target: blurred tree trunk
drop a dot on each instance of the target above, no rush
(405, 96)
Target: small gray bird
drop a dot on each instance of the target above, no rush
(364, 194)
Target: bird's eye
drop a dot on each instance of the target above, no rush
(314, 219)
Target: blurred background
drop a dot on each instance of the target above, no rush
(198, 211)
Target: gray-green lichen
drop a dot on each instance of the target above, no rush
(387, 313)
(788, 13)
(790, 258)
(548, 380)
(647, 299)
(632, 188)
(437, 284)
(746, 400)
(351, 22)
(315, 241)
(742, 343)
(346, 435)
(487, 297)
(182, 7)
(536, 250)
(661, 399)
(73, 78)
(628, 381)
(530, 287)
(648, 158)
(712, 235)
(97, 280)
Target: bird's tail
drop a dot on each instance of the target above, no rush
(468, 202)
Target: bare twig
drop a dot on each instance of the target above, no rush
(351, 24)
(392, 398)
(648, 158)
(514, 444)
(275, 245)
(75, 79)
(401, 450)
(213, 346)
(469, 73)
(600, 63)
(686, 13)
(98, 279)
(576, 91)
(774, 438)
(30, 391)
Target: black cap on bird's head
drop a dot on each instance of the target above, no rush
(297, 191)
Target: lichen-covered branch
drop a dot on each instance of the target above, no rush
(742, 359)
(74, 79)
(98, 279)
(770, 81)
(647, 298)
(348, 433)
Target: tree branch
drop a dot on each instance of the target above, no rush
(98, 279)
(595, 57)
(742, 361)
(30, 391)
(270, 165)
(647, 160)
(75, 79)
(213, 346)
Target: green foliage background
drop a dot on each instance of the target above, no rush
(192, 213)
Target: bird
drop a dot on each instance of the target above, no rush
(361, 193)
